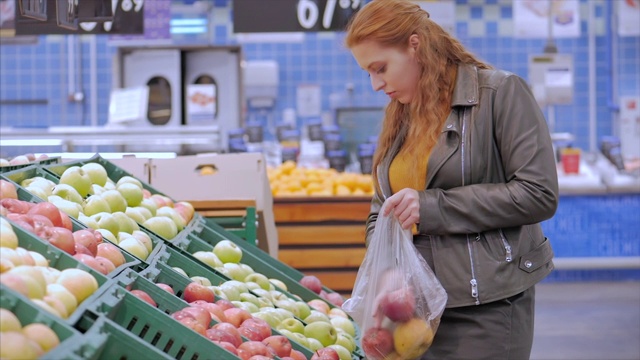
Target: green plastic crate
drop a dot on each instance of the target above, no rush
(106, 341)
(29, 313)
(153, 326)
(51, 160)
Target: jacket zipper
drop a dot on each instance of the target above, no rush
(473, 281)
(507, 247)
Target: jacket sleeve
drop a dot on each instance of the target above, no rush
(530, 193)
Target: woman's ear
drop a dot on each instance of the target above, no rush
(414, 41)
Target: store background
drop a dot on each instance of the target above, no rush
(41, 71)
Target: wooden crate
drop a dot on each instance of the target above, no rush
(323, 237)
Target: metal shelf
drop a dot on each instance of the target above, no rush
(68, 137)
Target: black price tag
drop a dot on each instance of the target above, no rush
(293, 15)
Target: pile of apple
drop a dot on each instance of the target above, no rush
(23, 159)
(312, 324)
(24, 342)
(398, 331)
(28, 273)
(53, 225)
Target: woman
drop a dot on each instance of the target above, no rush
(465, 158)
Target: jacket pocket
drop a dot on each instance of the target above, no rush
(537, 257)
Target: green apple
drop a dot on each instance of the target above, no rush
(163, 226)
(278, 295)
(260, 279)
(267, 316)
(249, 297)
(144, 238)
(44, 184)
(67, 192)
(321, 331)
(129, 179)
(123, 235)
(301, 339)
(343, 353)
(126, 223)
(218, 292)
(250, 307)
(346, 340)
(134, 247)
(287, 304)
(262, 293)
(89, 222)
(342, 324)
(235, 271)
(131, 192)
(68, 207)
(208, 257)
(264, 302)
(317, 316)
(291, 324)
(77, 178)
(95, 204)
(106, 221)
(180, 271)
(173, 215)
(252, 286)
(149, 205)
(283, 313)
(97, 173)
(227, 251)
(304, 309)
(279, 284)
(115, 200)
(201, 280)
(96, 189)
(242, 287)
(222, 270)
(314, 344)
(39, 192)
(285, 332)
(136, 214)
(110, 185)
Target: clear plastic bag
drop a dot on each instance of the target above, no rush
(397, 300)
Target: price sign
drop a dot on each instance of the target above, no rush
(293, 15)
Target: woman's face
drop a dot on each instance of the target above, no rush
(392, 70)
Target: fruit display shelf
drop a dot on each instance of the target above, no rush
(166, 302)
(203, 236)
(152, 325)
(59, 260)
(106, 340)
(29, 313)
(131, 260)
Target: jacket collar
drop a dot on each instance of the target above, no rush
(466, 90)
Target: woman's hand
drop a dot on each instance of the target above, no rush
(406, 206)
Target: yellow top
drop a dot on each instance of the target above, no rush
(402, 176)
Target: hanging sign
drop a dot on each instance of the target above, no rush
(531, 18)
(293, 15)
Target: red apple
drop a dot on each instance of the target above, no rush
(7, 190)
(325, 354)
(263, 327)
(212, 308)
(195, 291)
(16, 206)
(279, 344)
(297, 355)
(111, 252)
(334, 298)
(66, 221)
(60, 238)
(167, 288)
(250, 333)
(40, 223)
(224, 304)
(200, 314)
(261, 357)
(81, 249)
(193, 324)
(230, 329)
(90, 261)
(227, 346)
(106, 264)
(398, 305)
(88, 239)
(236, 316)
(250, 348)
(377, 343)
(220, 335)
(143, 295)
(312, 283)
(48, 210)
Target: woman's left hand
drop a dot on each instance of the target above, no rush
(406, 206)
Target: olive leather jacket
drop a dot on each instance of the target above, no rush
(491, 180)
